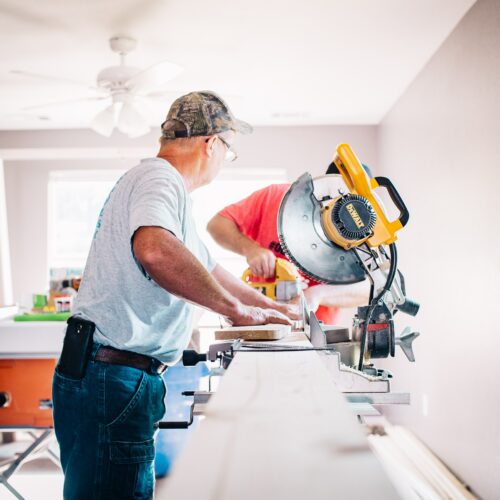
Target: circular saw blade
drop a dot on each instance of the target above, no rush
(304, 242)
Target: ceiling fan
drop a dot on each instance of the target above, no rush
(127, 89)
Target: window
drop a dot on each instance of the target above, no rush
(75, 200)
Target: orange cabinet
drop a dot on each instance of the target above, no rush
(26, 392)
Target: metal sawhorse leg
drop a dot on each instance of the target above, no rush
(40, 444)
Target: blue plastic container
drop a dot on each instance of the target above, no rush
(170, 442)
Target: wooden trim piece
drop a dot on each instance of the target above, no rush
(258, 332)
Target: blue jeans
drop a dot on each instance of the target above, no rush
(105, 425)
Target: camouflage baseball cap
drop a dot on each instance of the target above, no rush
(201, 113)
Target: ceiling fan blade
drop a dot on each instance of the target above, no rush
(63, 103)
(51, 78)
(104, 122)
(153, 77)
(131, 122)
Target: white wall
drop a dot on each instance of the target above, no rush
(298, 149)
(439, 144)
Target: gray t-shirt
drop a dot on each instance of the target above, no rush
(129, 309)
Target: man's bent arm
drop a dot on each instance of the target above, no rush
(227, 234)
(177, 270)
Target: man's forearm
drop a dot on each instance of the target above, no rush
(227, 234)
(183, 275)
(261, 260)
(240, 290)
(353, 295)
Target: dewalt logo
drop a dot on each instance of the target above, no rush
(355, 216)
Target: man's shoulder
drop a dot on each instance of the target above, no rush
(156, 165)
(155, 170)
(271, 193)
(276, 189)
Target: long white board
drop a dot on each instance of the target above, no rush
(277, 428)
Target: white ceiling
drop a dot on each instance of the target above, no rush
(277, 62)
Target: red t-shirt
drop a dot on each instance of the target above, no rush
(256, 217)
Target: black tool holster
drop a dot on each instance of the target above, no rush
(77, 347)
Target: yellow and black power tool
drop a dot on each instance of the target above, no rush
(336, 230)
(351, 218)
(285, 285)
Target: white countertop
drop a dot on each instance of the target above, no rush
(31, 339)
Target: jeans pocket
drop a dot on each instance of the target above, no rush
(131, 470)
(66, 383)
(122, 392)
(125, 452)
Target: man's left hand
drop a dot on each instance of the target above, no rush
(290, 310)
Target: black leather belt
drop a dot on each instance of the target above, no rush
(128, 358)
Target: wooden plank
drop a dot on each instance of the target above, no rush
(277, 428)
(258, 332)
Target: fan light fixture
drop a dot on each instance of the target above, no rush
(128, 88)
(123, 115)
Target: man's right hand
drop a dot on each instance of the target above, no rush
(249, 315)
(262, 262)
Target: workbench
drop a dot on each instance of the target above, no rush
(277, 428)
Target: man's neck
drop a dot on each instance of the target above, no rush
(187, 165)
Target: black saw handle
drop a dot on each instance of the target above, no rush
(404, 214)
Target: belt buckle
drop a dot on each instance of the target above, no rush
(157, 366)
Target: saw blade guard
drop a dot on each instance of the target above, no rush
(303, 239)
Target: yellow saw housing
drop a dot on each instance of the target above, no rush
(357, 217)
(285, 285)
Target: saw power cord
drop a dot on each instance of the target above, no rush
(376, 301)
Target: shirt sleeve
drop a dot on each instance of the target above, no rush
(158, 201)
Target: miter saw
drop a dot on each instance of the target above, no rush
(335, 229)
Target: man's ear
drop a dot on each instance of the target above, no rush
(210, 145)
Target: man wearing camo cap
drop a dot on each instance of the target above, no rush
(145, 269)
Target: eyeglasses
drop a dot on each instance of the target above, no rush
(230, 153)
